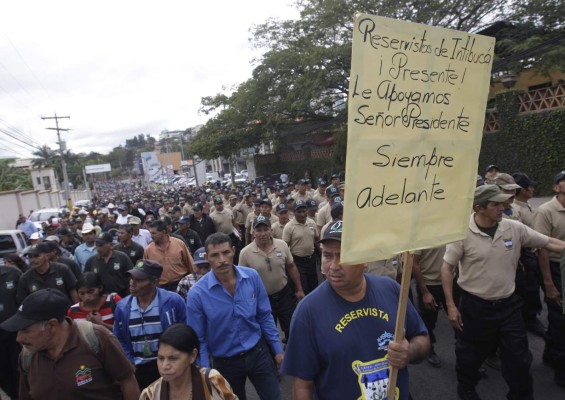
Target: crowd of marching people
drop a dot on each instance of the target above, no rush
(189, 293)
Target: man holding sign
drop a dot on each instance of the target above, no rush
(489, 312)
(340, 344)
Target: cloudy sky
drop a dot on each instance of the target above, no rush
(118, 68)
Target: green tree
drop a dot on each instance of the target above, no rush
(12, 178)
(302, 79)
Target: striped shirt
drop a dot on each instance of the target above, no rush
(78, 313)
(145, 330)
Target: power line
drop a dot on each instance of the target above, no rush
(15, 130)
(18, 82)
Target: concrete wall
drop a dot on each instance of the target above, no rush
(13, 203)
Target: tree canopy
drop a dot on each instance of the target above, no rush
(302, 78)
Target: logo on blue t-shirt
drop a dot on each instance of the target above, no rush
(384, 340)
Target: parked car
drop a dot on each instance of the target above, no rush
(12, 241)
(43, 215)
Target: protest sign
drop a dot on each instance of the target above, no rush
(416, 107)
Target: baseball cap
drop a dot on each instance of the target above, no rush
(311, 204)
(65, 232)
(197, 207)
(322, 182)
(199, 256)
(233, 197)
(40, 248)
(332, 232)
(559, 177)
(35, 236)
(506, 182)
(299, 203)
(261, 220)
(52, 238)
(266, 201)
(104, 237)
(122, 207)
(218, 200)
(281, 208)
(523, 180)
(489, 193)
(38, 306)
(134, 220)
(145, 269)
(184, 219)
(492, 166)
(335, 175)
(332, 191)
(110, 205)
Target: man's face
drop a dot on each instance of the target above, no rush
(220, 206)
(249, 201)
(262, 234)
(201, 269)
(528, 192)
(511, 199)
(157, 235)
(184, 227)
(104, 249)
(265, 209)
(123, 236)
(233, 202)
(89, 237)
(38, 260)
(124, 212)
(300, 215)
(220, 257)
(112, 219)
(283, 217)
(36, 337)
(490, 174)
(340, 277)
(140, 287)
(492, 212)
(90, 297)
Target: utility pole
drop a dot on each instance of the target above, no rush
(62, 148)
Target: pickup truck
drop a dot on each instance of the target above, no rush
(12, 241)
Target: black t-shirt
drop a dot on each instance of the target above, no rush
(113, 272)
(134, 251)
(489, 231)
(9, 279)
(59, 277)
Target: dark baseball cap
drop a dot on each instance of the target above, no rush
(38, 306)
(281, 208)
(266, 201)
(492, 166)
(523, 180)
(40, 248)
(197, 207)
(300, 203)
(332, 232)
(184, 220)
(332, 191)
(145, 269)
(559, 177)
(261, 220)
(104, 237)
(199, 256)
(218, 200)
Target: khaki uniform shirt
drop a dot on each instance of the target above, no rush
(277, 230)
(320, 198)
(300, 237)
(431, 261)
(487, 267)
(549, 220)
(324, 215)
(223, 221)
(271, 267)
(306, 196)
(524, 212)
(391, 267)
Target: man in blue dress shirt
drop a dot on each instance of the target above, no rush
(230, 311)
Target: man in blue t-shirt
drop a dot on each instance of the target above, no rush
(341, 335)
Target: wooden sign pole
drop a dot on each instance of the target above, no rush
(407, 260)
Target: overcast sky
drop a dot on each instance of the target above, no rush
(119, 68)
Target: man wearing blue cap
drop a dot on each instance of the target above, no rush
(201, 268)
(341, 335)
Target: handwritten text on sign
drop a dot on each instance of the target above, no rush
(417, 99)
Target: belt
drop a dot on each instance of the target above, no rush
(238, 355)
(304, 258)
(280, 293)
(492, 303)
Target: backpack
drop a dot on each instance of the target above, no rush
(85, 329)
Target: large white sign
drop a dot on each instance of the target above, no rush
(94, 169)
